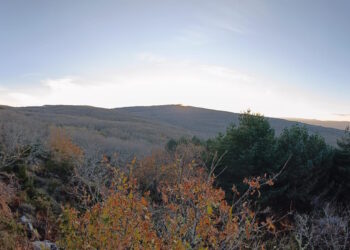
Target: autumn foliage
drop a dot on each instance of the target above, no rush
(123, 221)
(178, 198)
(12, 235)
(192, 214)
(62, 147)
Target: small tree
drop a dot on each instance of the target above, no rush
(64, 154)
(306, 174)
(248, 149)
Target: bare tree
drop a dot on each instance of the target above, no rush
(327, 228)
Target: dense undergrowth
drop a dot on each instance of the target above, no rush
(245, 189)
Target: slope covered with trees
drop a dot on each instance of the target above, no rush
(247, 188)
(135, 130)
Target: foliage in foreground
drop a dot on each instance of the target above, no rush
(122, 221)
(192, 214)
(169, 201)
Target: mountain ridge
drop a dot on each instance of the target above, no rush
(137, 130)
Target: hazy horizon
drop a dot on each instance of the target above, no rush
(282, 59)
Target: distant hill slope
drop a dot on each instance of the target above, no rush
(207, 123)
(134, 129)
(330, 124)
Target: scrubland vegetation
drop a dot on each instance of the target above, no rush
(245, 189)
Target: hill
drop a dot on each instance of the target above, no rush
(330, 124)
(207, 123)
(131, 129)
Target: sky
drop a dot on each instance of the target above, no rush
(280, 58)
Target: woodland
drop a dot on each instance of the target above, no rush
(245, 188)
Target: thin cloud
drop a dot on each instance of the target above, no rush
(31, 75)
(150, 57)
(192, 36)
(343, 115)
(149, 83)
(189, 83)
(228, 16)
(226, 72)
(228, 25)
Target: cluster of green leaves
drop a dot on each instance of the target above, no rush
(252, 149)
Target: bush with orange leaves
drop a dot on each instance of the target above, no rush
(64, 154)
(154, 168)
(62, 147)
(165, 166)
(123, 221)
(192, 214)
(195, 215)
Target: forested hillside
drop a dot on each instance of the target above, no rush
(132, 131)
(246, 188)
(206, 123)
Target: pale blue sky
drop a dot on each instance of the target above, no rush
(281, 58)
